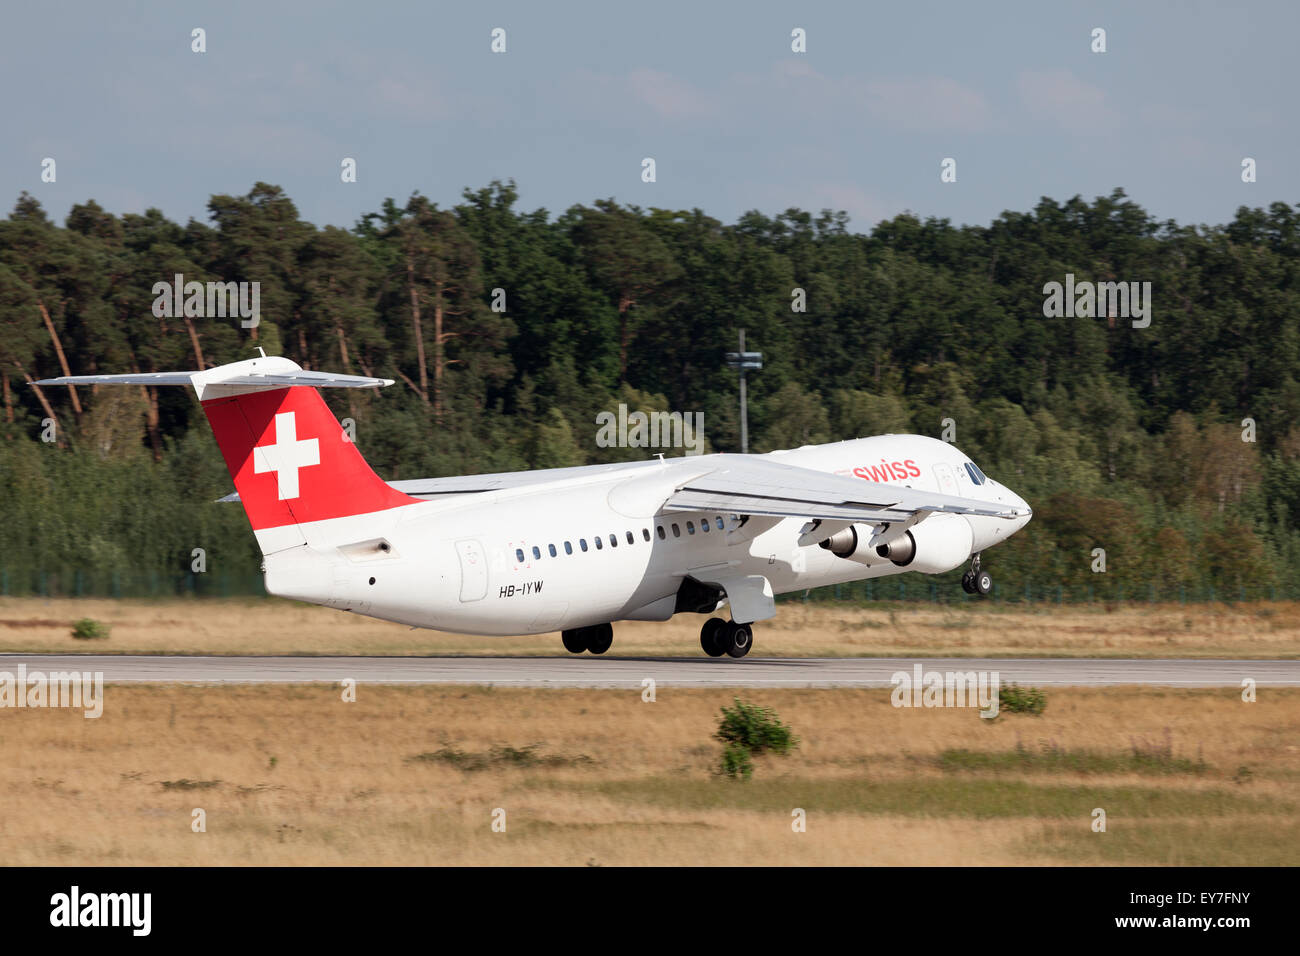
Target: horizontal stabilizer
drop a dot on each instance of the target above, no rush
(310, 379)
(133, 378)
(259, 373)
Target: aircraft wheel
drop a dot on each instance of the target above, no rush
(738, 639)
(575, 641)
(968, 582)
(983, 583)
(599, 638)
(711, 637)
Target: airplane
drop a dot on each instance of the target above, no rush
(575, 549)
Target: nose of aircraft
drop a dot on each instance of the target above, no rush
(1005, 496)
(1022, 506)
(989, 531)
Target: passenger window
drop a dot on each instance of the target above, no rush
(690, 527)
(599, 545)
(613, 541)
(660, 530)
(537, 555)
(519, 555)
(704, 525)
(582, 543)
(630, 538)
(551, 548)
(645, 533)
(720, 525)
(677, 532)
(568, 548)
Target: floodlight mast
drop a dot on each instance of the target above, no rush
(742, 362)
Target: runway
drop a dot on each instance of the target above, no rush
(630, 672)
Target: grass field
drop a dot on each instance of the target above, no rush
(412, 775)
(272, 626)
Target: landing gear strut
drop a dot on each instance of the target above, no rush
(596, 639)
(976, 581)
(718, 637)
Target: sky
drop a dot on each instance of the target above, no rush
(712, 92)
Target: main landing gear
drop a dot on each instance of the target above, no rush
(596, 639)
(719, 637)
(976, 581)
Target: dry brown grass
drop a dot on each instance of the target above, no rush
(248, 626)
(294, 775)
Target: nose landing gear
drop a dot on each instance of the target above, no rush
(976, 581)
(718, 637)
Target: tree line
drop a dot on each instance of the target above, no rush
(1173, 447)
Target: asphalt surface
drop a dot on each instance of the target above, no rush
(627, 672)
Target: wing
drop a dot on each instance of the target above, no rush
(760, 486)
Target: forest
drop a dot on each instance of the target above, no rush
(1173, 447)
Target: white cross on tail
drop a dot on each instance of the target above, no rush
(286, 456)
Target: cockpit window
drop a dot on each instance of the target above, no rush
(976, 475)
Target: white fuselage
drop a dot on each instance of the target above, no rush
(525, 560)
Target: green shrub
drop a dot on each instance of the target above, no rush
(88, 629)
(755, 728)
(736, 762)
(747, 730)
(1015, 699)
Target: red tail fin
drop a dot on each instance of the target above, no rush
(291, 461)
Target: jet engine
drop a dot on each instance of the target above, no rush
(938, 543)
(851, 544)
